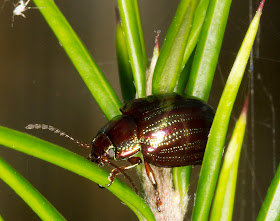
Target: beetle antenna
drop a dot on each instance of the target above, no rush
(56, 131)
(126, 176)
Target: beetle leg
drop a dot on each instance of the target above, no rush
(126, 176)
(135, 161)
(117, 171)
(152, 178)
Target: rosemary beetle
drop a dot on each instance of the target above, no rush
(169, 130)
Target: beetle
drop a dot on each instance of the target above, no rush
(170, 130)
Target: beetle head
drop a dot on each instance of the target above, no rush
(102, 149)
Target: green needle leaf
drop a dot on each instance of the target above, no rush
(125, 71)
(214, 149)
(169, 64)
(270, 209)
(208, 49)
(61, 157)
(181, 179)
(198, 21)
(140, 31)
(134, 41)
(224, 197)
(184, 76)
(39, 204)
(80, 57)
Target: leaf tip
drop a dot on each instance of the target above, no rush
(260, 8)
(245, 106)
(157, 39)
(117, 13)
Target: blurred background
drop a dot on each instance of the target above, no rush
(38, 84)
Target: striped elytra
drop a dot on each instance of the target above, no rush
(169, 130)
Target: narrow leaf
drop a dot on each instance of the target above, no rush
(198, 21)
(125, 71)
(151, 69)
(225, 191)
(270, 209)
(181, 179)
(184, 76)
(39, 204)
(140, 31)
(134, 40)
(208, 49)
(214, 149)
(61, 157)
(80, 57)
(169, 64)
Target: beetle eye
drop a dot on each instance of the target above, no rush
(111, 153)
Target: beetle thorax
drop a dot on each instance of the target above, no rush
(123, 135)
(117, 140)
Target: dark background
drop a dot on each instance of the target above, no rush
(38, 84)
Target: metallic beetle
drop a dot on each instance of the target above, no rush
(169, 130)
